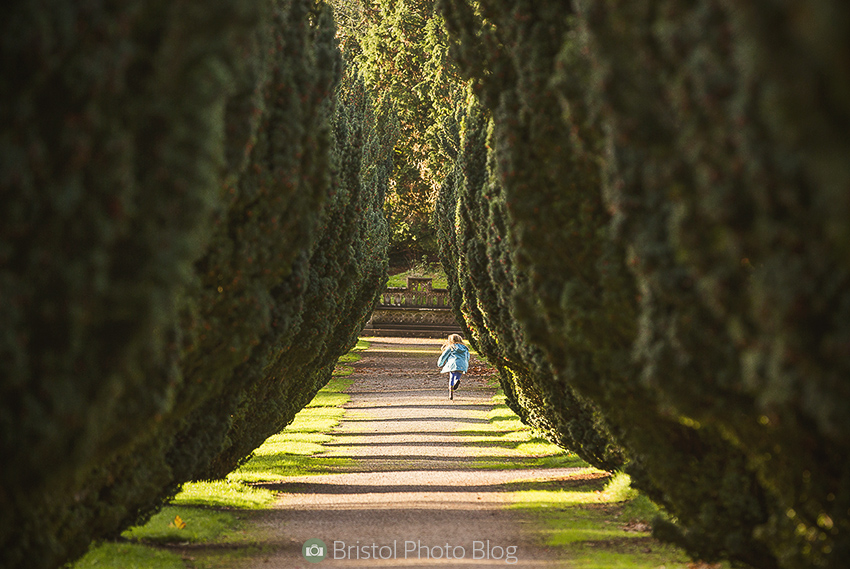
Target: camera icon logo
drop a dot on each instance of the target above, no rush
(314, 550)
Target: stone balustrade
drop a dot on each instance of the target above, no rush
(418, 309)
(419, 293)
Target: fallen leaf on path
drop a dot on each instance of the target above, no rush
(637, 526)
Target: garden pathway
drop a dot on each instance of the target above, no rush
(412, 495)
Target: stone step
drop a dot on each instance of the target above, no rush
(411, 330)
(378, 333)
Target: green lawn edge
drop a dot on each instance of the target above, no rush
(594, 518)
(215, 513)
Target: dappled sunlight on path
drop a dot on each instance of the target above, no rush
(444, 489)
(425, 480)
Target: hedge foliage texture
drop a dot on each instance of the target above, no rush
(668, 199)
(191, 236)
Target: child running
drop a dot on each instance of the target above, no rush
(454, 361)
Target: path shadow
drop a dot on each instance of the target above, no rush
(469, 433)
(572, 484)
(408, 462)
(343, 489)
(420, 419)
(428, 406)
(463, 442)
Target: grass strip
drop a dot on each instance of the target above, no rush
(223, 494)
(129, 556)
(597, 519)
(504, 429)
(183, 524)
(213, 513)
(296, 451)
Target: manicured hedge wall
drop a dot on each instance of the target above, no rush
(112, 144)
(674, 180)
(342, 279)
(484, 285)
(732, 171)
(254, 229)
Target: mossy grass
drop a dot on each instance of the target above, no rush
(329, 399)
(594, 532)
(129, 556)
(504, 429)
(203, 513)
(184, 524)
(598, 520)
(342, 370)
(223, 494)
(349, 358)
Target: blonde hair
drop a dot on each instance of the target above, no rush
(453, 339)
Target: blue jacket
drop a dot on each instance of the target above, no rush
(454, 358)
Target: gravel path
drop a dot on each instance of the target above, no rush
(412, 497)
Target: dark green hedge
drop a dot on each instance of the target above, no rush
(112, 149)
(730, 148)
(266, 250)
(342, 279)
(484, 284)
(674, 180)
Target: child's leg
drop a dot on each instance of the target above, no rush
(454, 379)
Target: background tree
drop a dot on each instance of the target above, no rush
(402, 49)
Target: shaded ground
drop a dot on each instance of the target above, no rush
(412, 495)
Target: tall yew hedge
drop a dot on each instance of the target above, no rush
(336, 287)
(113, 133)
(672, 187)
(192, 221)
(483, 279)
